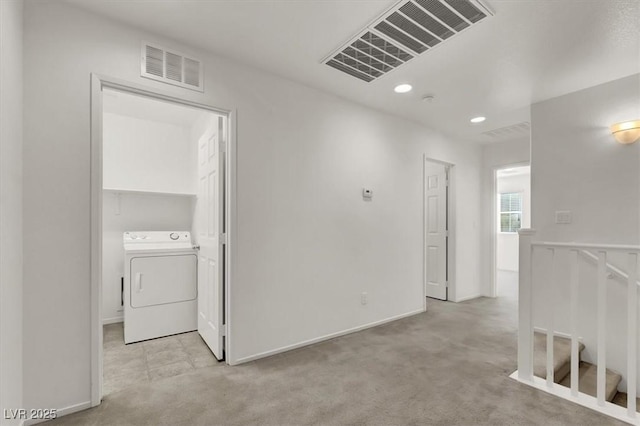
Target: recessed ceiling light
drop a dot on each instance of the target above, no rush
(477, 120)
(403, 88)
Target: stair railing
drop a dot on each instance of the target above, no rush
(525, 319)
(614, 272)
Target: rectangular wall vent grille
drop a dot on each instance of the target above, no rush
(516, 130)
(408, 29)
(171, 67)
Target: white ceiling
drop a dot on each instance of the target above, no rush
(531, 50)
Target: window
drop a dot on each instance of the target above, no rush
(510, 211)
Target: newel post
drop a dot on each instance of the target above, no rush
(525, 306)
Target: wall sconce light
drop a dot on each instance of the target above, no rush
(626, 132)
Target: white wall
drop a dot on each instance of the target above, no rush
(147, 155)
(507, 242)
(506, 153)
(466, 178)
(496, 155)
(134, 212)
(577, 165)
(11, 336)
(307, 244)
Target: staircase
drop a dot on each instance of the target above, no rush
(554, 293)
(562, 369)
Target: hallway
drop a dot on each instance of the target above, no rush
(449, 365)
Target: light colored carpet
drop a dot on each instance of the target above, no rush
(448, 366)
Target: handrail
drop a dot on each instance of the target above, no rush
(586, 246)
(617, 273)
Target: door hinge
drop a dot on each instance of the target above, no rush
(446, 233)
(223, 329)
(223, 145)
(223, 238)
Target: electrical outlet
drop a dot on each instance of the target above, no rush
(363, 298)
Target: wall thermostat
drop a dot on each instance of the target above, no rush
(367, 194)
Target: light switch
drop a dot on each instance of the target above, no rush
(563, 217)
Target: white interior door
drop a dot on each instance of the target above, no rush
(436, 182)
(210, 235)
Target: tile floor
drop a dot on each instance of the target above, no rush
(151, 360)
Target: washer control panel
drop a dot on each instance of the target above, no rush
(157, 236)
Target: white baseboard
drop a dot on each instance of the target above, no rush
(113, 320)
(322, 338)
(464, 299)
(61, 412)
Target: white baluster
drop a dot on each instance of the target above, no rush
(549, 293)
(575, 291)
(525, 302)
(632, 334)
(602, 327)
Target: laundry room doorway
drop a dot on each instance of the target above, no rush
(160, 249)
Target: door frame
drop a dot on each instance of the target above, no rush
(493, 214)
(98, 83)
(451, 215)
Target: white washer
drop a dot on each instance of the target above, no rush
(160, 284)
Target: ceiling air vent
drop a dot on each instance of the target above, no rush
(408, 29)
(508, 132)
(171, 67)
